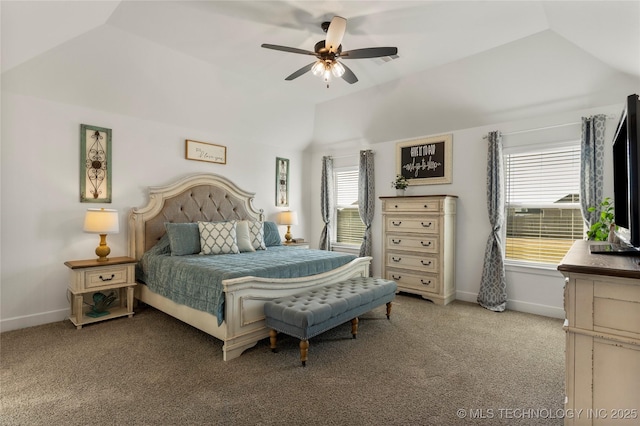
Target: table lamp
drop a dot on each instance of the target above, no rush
(103, 222)
(288, 218)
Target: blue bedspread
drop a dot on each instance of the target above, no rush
(195, 280)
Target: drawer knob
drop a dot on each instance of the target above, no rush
(107, 279)
(396, 259)
(394, 241)
(427, 225)
(425, 283)
(426, 206)
(427, 244)
(396, 223)
(396, 277)
(425, 263)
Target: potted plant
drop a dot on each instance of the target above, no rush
(400, 184)
(599, 231)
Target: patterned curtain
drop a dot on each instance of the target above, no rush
(366, 199)
(326, 202)
(592, 166)
(493, 285)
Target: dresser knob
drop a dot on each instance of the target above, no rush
(107, 279)
(396, 277)
(427, 225)
(396, 241)
(396, 224)
(427, 244)
(425, 264)
(396, 259)
(425, 283)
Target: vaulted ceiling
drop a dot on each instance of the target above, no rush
(185, 50)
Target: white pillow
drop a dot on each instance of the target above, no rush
(256, 229)
(243, 236)
(218, 237)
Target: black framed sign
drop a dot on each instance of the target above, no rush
(425, 161)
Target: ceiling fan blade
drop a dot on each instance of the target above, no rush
(301, 71)
(335, 32)
(288, 49)
(370, 52)
(348, 75)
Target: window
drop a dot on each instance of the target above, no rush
(542, 202)
(349, 229)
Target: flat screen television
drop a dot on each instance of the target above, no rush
(626, 174)
(626, 182)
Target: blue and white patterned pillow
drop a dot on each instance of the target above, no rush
(218, 238)
(256, 229)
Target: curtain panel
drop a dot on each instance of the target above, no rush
(366, 199)
(493, 284)
(592, 167)
(326, 202)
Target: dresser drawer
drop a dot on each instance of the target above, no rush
(419, 263)
(408, 205)
(421, 282)
(411, 224)
(426, 243)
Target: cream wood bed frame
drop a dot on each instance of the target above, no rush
(244, 324)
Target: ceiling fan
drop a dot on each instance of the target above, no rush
(328, 52)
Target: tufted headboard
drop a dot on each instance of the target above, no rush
(200, 197)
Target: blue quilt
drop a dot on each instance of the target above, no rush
(196, 280)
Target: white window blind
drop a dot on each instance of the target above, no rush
(542, 201)
(350, 228)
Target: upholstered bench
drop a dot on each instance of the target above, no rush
(315, 311)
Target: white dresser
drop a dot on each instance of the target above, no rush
(419, 245)
(602, 307)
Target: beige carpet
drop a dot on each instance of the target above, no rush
(428, 365)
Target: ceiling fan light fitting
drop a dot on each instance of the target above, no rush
(318, 68)
(337, 69)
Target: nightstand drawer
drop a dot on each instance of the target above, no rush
(409, 205)
(107, 276)
(411, 224)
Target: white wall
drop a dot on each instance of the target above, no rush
(532, 290)
(41, 213)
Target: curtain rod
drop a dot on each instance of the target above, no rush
(537, 129)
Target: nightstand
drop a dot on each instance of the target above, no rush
(90, 276)
(297, 245)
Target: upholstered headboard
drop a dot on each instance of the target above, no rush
(200, 197)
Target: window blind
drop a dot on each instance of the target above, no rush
(542, 202)
(350, 228)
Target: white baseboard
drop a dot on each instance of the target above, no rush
(25, 321)
(518, 305)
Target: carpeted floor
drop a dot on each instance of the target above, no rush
(428, 365)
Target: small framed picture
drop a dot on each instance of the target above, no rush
(282, 182)
(202, 151)
(425, 161)
(95, 164)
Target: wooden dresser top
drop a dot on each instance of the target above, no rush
(579, 260)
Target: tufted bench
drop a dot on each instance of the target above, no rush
(315, 311)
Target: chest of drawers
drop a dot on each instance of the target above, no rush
(419, 245)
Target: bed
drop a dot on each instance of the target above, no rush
(213, 198)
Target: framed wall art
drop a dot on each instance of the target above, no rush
(95, 164)
(425, 161)
(209, 152)
(282, 182)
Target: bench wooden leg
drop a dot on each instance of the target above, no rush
(272, 339)
(388, 310)
(354, 327)
(304, 349)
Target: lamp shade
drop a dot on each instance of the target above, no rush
(288, 218)
(101, 221)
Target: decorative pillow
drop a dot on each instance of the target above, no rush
(243, 236)
(184, 238)
(271, 234)
(218, 238)
(257, 235)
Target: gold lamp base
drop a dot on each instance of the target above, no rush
(288, 235)
(103, 249)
